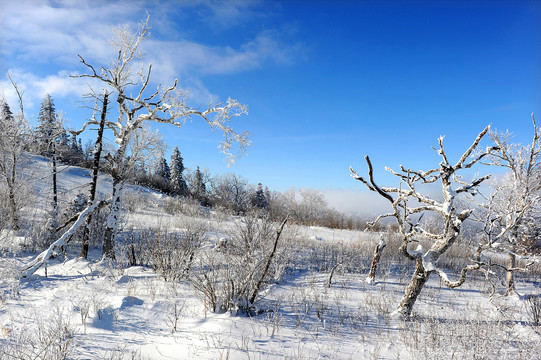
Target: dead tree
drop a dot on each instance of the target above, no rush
(164, 105)
(95, 171)
(512, 203)
(377, 255)
(408, 203)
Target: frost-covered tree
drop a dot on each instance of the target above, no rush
(409, 203)
(162, 170)
(47, 131)
(178, 184)
(259, 200)
(199, 189)
(511, 210)
(51, 138)
(137, 104)
(232, 192)
(13, 138)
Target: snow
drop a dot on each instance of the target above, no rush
(100, 311)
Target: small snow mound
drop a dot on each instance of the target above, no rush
(124, 279)
(130, 301)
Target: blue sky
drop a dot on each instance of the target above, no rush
(326, 82)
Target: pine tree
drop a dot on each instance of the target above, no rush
(178, 184)
(163, 171)
(6, 116)
(199, 191)
(259, 200)
(73, 145)
(47, 129)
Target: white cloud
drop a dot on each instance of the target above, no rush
(43, 37)
(184, 56)
(35, 88)
(39, 31)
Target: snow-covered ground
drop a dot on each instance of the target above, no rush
(87, 309)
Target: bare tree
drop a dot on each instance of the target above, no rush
(512, 205)
(408, 203)
(14, 136)
(377, 255)
(164, 105)
(98, 147)
(232, 192)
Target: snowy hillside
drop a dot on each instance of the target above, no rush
(316, 304)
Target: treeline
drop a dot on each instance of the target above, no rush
(230, 193)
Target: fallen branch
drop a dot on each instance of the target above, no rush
(42, 258)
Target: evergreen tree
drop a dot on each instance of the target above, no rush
(47, 129)
(178, 184)
(6, 116)
(163, 171)
(199, 191)
(259, 200)
(268, 195)
(73, 145)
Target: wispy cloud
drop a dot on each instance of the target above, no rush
(52, 33)
(35, 87)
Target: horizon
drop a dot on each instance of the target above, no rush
(326, 83)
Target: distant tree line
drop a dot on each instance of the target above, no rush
(229, 192)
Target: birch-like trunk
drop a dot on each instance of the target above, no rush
(375, 260)
(509, 276)
(13, 208)
(42, 258)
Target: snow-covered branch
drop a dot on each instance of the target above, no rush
(410, 202)
(372, 185)
(30, 268)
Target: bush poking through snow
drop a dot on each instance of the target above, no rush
(533, 306)
(49, 339)
(231, 276)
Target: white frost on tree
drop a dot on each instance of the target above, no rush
(162, 169)
(138, 104)
(408, 204)
(511, 210)
(259, 200)
(13, 138)
(178, 184)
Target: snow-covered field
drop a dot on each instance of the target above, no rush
(88, 309)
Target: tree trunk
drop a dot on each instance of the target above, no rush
(417, 282)
(95, 171)
(108, 251)
(55, 191)
(10, 180)
(13, 208)
(509, 276)
(375, 260)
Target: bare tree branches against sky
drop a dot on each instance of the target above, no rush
(332, 81)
